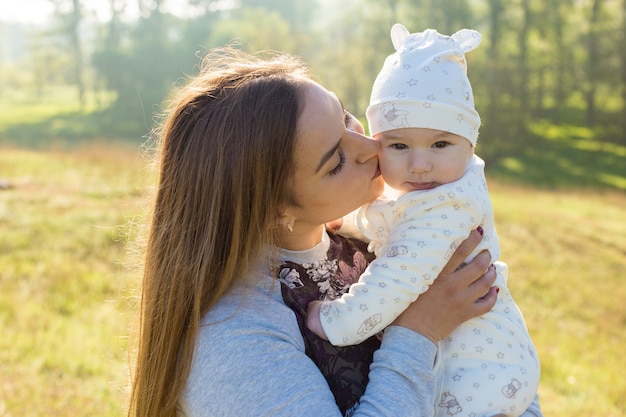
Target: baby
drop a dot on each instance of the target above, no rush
(422, 112)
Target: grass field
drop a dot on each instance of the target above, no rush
(66, 294)
(64, 290)
(567, 254)
(67, 283)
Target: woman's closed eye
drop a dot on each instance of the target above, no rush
(342, 161)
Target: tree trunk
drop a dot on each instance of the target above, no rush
(561, 66)
(623, 64)
(492, 119)
(592, 63)
(523, 61)
(77, 50)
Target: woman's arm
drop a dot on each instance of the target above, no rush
(254, 364)
(251, 359)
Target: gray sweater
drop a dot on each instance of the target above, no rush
(250, 361)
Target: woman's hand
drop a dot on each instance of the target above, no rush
(457, 295)
(313, 321)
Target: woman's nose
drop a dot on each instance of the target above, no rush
(366, 148)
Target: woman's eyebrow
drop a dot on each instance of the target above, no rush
(341, 103)
(327, 156)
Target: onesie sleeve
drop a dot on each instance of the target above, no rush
(416, 236)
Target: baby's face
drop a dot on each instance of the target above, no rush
(420, 159)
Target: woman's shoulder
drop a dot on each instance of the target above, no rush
(258, 304)
(242, 344)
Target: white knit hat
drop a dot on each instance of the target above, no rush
(424, 84)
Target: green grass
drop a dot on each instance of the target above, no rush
(562, 157)
(67, 288)
(64, 311)
(547, 156)
(567, 253)
(65, 295)
(55, 118)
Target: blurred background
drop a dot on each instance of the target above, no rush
(82, 82)
(102, 68)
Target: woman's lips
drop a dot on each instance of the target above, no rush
(377, 173)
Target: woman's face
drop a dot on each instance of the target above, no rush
(336, 165)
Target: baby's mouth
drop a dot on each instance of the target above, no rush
(419, 186)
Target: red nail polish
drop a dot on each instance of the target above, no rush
(497, 290)
(480, 230)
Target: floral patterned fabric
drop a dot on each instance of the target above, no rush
(345, 368)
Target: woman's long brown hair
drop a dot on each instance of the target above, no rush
(225, 158)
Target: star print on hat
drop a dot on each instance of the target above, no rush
(424, 84)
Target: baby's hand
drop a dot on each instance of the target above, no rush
(335, 225)
(313, 321)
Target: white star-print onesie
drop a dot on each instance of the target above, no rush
(488, 365)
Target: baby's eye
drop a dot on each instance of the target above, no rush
(441, 144)
(399, 146)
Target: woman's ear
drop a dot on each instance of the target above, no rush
(286, 221)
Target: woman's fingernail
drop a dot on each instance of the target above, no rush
(497, 290)
(480, 230)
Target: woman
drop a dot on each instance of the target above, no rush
(254, 159)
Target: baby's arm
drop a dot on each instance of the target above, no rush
(431, 226)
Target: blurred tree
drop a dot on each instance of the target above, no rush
(556, 59)
(352, 46)
(258, 29)
(492, 127)
(153, 70)
(69, 15)
(623, 72)
(447, 16)
(48, 62)
(524, 37)
(554, 9)
(592, 64)
(297, 13)
(75, 42)
(139, 63)
(108, 59)
(142, 61)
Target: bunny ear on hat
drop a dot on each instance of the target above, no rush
(398, 34)
(468, 39)
(424, 84)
